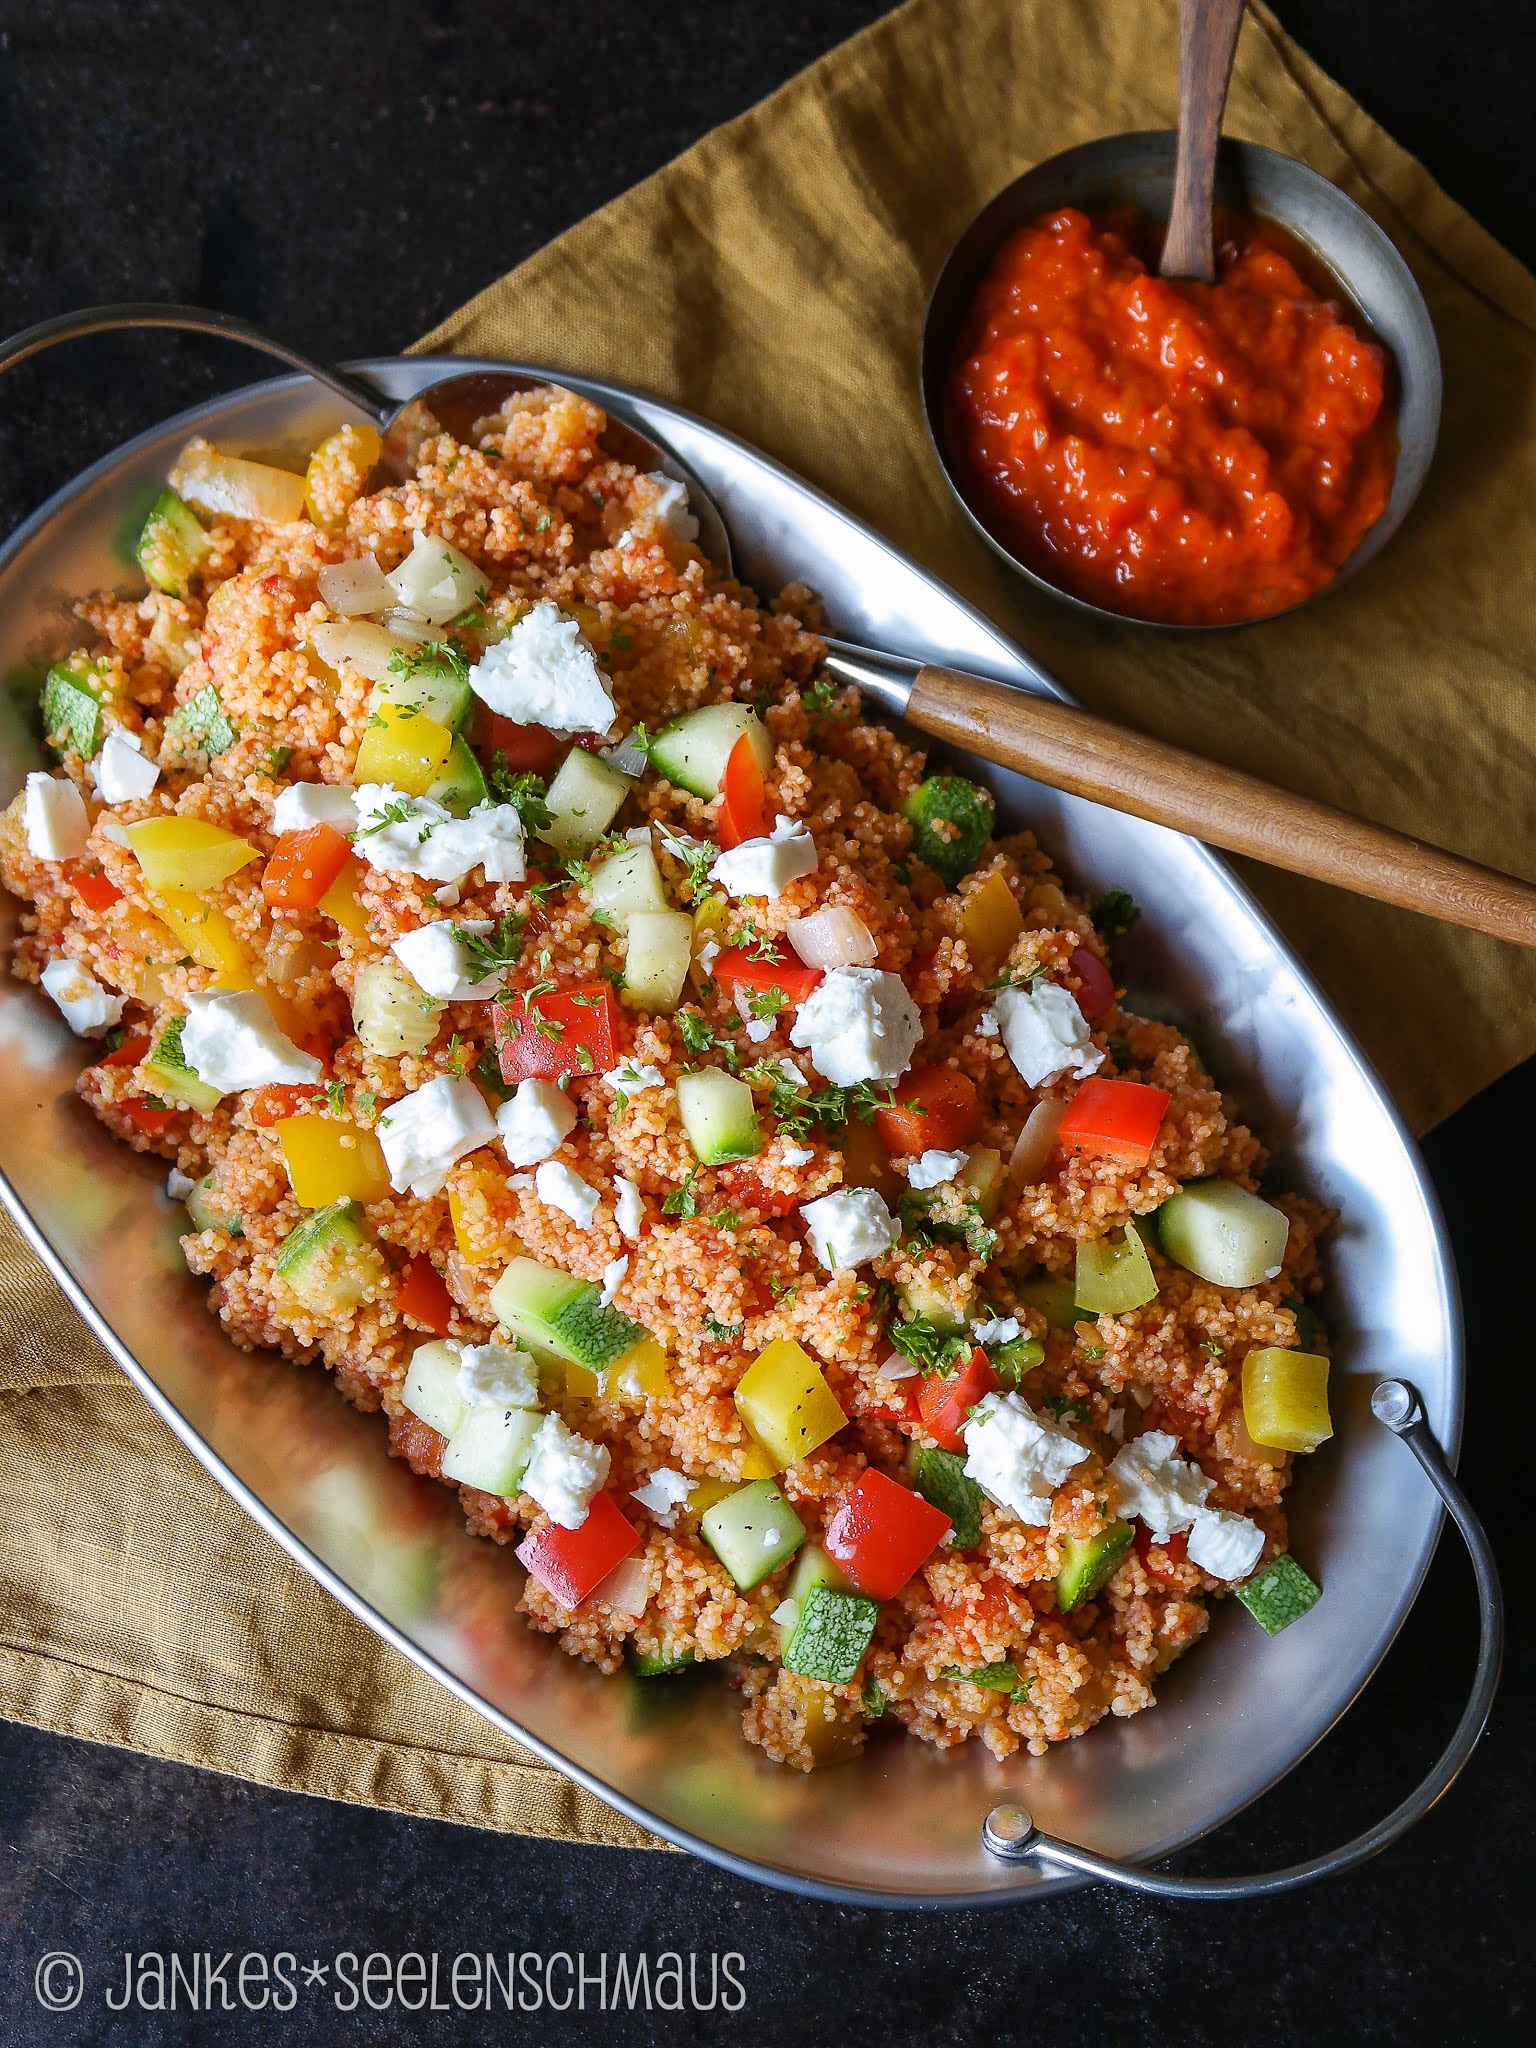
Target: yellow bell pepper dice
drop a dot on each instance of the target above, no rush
(641, 1374)
(188, 854)
(1285, 1399)
(703, 1493)
(340, 901)
(990, 921)
(786, 1403)
(337, 472)
(203, 931)
(404, 748)
(331, 1161)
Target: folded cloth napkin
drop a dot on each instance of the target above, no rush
(774, 277)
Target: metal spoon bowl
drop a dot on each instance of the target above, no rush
(1138, 171)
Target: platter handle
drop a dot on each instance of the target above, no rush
(1010, 1834)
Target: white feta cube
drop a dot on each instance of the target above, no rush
(179, 1185)
(613, 1280)
(766, 867)
(122, 771)
(53, 816)
(1045, 1032)
(670, 506)
(436, 581)
(407, 835)
(559, 1188)
(936, 1169)
(858, 1024)
(426, 1133)
(1017, 1460)
(545, 673)
(86, 1007)
(633, 1078)
(496, 1376)
(233, 1042)
(565, 1472)
(1151, 1481)
(1226, 1546)
(435, 958)
(798, 1155)
(303, 804)
(849, 1226)
(996, 1330)
(535, 1121)
(663, 1494)
(629, 1210)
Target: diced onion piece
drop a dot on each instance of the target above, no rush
(368, 649)
(628, 756)
(626, 1588)
(409, 628)
(227, 484)
(832, 938)
(356, 589)
(1032, 1147)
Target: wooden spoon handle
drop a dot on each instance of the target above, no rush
(1207, 45)
(1074, 750)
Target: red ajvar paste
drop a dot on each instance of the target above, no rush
(1176, 451)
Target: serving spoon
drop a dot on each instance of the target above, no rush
(1051, 742)
(1207, 45)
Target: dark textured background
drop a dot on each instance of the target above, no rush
(345, 175)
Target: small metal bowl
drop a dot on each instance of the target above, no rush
(1137, 170)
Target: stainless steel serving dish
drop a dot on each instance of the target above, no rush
(901, 1827)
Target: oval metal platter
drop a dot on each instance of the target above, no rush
(903, 1825)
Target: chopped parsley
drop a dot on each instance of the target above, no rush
(401, 810)
(766, 1004)
(435, 657)
(872, 1699)
(721, 1333)
(488, 1074)
(524, 791)
(1114, 913)
(994, 1677)
(488, 953)
(820, 698)
(277, 760)
(683, 1201)
(930, 1349)
(697, 1032)
(336, 1097)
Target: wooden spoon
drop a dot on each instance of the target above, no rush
(1207, 45)
(1069, 749)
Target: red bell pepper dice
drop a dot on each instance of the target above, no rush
(572, 1030)
(95, 890)
(881, 1533)
(743, 793)
(277, 1100)
(149, 1117)
(424, 1297)
(570, 1563)
(522, 747)
(129, 1053)
(1095, 984)
(302, 867)
(935, 1110)
(944, 1404)
(1116, 1120)
(742, 975)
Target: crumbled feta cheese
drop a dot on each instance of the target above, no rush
(434, 957)
(798, 1155)
(681, 845)
(545, 673)
(936, 1169)
(561, 1189)
(1226, 1546)
(427, 1132)
(670, 506)
(849, 1226)
(496, 1376)
(564, 1472)
(766, 867)
(53, 814)
(86, 1007)
(179, 1185)
(629, 1210)
(634, 1079)
(1152, 1481)
(121, 771)
(535, 1121)
(664, 1493)
(759, 1029)
(233, 1042)
(1045, 1032)
(709, 953)
(997, 1330)
(858, 1024)
(303, 804)
(1017, 1460)
(791, 1072)
(1114, 1424)
(447, 896)
(986, 1024)
(406, 835)
(613, 1280)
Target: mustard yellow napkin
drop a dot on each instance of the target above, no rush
(774, 278)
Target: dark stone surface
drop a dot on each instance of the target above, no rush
(177, 151)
